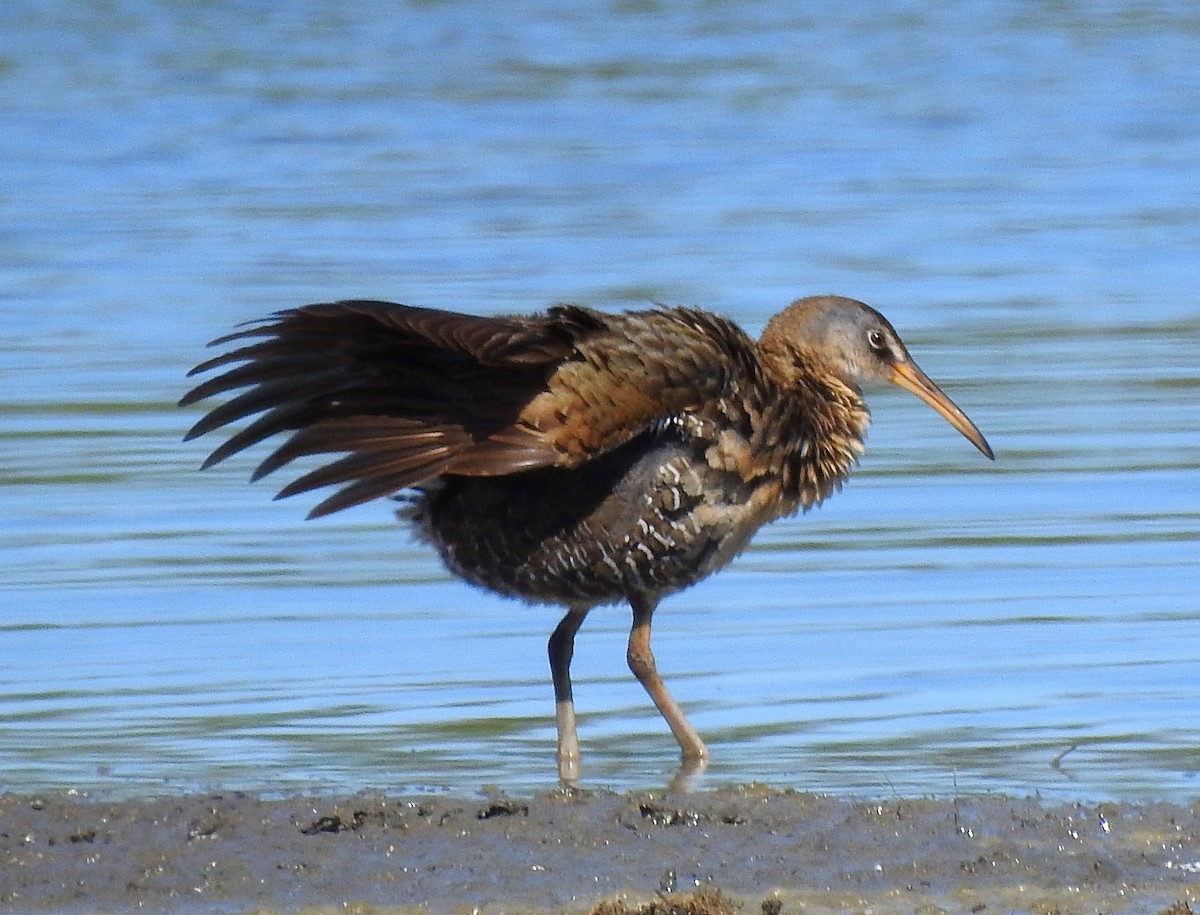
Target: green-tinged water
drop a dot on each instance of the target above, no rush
(1016, 187)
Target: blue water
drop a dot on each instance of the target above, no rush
(1016, 185)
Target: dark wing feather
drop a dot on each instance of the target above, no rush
(404, 391)
(408, 394)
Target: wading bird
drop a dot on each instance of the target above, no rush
(572, 457)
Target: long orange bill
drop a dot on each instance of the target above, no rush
(909, 376)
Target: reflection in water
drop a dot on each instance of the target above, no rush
(1017, 192)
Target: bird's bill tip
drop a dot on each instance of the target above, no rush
(909, 376)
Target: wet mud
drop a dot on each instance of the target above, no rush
(747, 850)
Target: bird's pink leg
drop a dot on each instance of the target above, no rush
(641, 662)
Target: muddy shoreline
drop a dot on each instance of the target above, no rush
(765, 849)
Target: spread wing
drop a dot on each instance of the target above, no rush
(408, 394)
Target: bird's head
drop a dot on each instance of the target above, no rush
(857, 345)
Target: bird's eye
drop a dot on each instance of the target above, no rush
(876, 341)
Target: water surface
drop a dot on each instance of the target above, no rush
(1016, 187)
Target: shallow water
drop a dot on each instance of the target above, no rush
(1016, 188)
